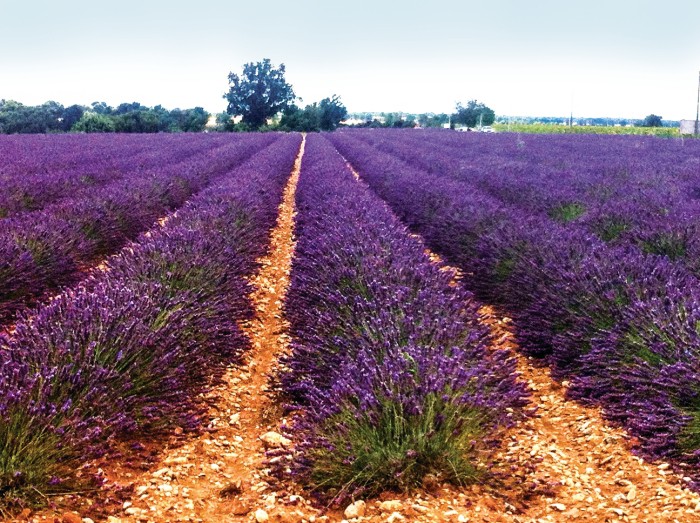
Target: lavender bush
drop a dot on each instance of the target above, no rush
(390, 375)
(39, 170)
(632, 190)
(48, 249)
(619, 323)
(130, 348)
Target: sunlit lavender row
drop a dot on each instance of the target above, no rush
(620, 323)
(389, 372)
(38, 170)
(44, 250)
(129, 349)
(638, 190)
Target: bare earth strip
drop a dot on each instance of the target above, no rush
(221, 476)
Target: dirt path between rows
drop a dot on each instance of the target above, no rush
(221, 475)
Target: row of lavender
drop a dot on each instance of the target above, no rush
(35, 172)
(45, 250)
(389, 373)
(620, 324)
(637, 190)
(130, 348)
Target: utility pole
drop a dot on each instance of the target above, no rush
(571, 114)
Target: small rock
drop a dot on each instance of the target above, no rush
(179, 460)
(355, 510)
(112, 519)
(239, 508)
(274, 440)
(393, 505)
(558, 506)
(261, 516)
(431, 482)
(232, 489)
(71, 517)
(286, 517)
(395, 516)
(88, 520)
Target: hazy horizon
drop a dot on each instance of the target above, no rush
(625, 59)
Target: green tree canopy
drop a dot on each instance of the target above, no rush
(652, 120)
(126, 118)
(307, 120)
(94, 123)
(332, 112)
(259, 93)
(473, 114)
(323, 116)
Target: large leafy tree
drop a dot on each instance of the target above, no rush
(259, 93)
(652, 120)
(473, 114)
(332, 112)
(323, 116)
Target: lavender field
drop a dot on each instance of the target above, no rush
(125, 277)
(589, 243)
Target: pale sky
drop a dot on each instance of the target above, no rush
(618, 58)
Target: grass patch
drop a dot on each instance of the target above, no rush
(611, 228)
(689, 439)
(567, 212)
(665, 245)
(391, 449)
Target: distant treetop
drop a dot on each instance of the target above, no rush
(652, 120)
(473, 114)
(259, 93)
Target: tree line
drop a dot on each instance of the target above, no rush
(52, 117)
(259, 99)
(473, 114)
(261, 93)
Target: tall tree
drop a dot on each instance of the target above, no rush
(652, 120)
(71, 115)
(332, 112)
(473, 114)
(259, 93)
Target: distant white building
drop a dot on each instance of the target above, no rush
(353, 121)
(688, 127)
